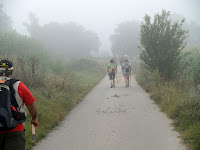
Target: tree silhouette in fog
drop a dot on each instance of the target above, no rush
(71, 39)
(126, 38)
(5, 21)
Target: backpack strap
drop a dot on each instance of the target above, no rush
(12, 92)
(19, 117)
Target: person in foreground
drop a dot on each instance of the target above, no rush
(126, 70)
(14, 95)
(111, 69)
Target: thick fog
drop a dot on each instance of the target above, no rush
(100, 16)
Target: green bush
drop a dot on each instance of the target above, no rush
(190, 66)
(192, 136)
(161, 43)
(189, 114)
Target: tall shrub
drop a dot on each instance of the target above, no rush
(161, 43)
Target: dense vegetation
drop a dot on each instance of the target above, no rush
(179, 95)
(179, 98)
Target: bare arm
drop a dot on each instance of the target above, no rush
(32, 109)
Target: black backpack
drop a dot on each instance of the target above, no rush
(10, 117)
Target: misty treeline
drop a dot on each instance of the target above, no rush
(37, 68)
(32, 61)
(126, 36)
(70, 39)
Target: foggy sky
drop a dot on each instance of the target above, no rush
(101, 16)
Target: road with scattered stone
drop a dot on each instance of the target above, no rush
(117, 118)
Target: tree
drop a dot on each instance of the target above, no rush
(161, 43)
(5, 21)
(70, 40)
(126, 38)
(33, 26)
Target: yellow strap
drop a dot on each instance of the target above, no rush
(4, 65)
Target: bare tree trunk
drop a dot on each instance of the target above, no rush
(22, 63)
(34, 65)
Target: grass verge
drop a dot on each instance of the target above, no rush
(179, 103)
(54, 103)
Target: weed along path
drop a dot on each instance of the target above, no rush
(114, 119)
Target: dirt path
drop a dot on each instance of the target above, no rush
(114, 119)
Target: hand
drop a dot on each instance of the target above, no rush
(35, 122)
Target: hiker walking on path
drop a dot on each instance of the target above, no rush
(126, 70)
(111, 69)
(14, 95)
(115, 62)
